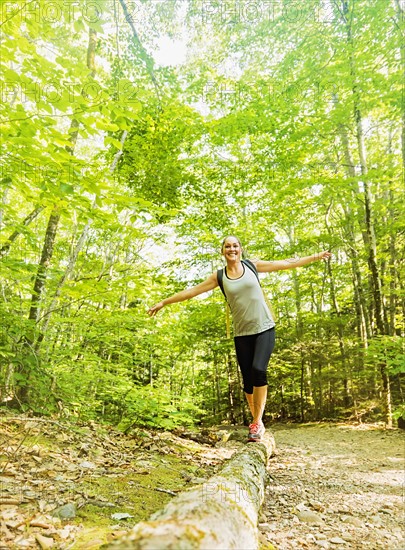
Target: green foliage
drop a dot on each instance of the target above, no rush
(158, 408)
(257, 134)
(387, 350)
(399, 412)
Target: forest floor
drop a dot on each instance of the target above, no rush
(69, 486)
(336, 486)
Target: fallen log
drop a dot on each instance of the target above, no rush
(221, 513)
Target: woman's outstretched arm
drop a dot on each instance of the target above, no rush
(291, 263)
(205, 286)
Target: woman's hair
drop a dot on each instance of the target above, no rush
(240, 244)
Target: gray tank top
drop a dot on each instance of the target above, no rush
(250, 313)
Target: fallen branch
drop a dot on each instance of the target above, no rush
(172, 493)
(221, 513)
(40, 524)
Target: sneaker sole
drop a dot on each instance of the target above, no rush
(257, 438)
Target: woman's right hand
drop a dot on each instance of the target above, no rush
(154, 309)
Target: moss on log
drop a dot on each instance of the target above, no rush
(221, 513)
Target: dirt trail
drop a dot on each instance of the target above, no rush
(335, 486)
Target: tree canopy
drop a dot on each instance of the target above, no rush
(123, 166)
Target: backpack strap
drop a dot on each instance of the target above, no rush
(252, 267)
(220, 277)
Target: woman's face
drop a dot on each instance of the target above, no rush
(232, 249)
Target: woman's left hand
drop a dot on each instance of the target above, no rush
(325, 255)
(154, 309)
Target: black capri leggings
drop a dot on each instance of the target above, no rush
(253, 353)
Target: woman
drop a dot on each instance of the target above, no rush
(254, 332)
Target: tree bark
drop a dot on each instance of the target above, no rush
(392, 300)
(231, 397)
(222, 513)
(392, 271)
(336, 308)
(342, 348)
(361, 305)
(299, 333)
(47, 251)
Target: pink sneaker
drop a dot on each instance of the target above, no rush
(256, 431)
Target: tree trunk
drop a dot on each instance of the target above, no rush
(361, 147)
(231, 397)
(335, 304)
(389, 197)
(299, 333)
(47, 251)
(13, 237)
(372, 244)
(342, 348)
(222, 513)
(69, 269)
(392, 271)
(218, 375)
(146, 58)
(360, 301)
(302, 387)
(372, 261)
(400, 24)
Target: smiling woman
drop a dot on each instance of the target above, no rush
(229, 244)
(254, 326)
